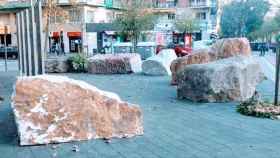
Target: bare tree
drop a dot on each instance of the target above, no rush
(53, 11)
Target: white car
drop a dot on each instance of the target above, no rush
(202, 44)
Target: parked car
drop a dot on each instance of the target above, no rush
(12, 52)
(256, 46)
(273, 47)
(202, 44)
(179, 49)
(182, 50)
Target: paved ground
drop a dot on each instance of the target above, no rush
(173, 129)
(268, 64)
(12, 65)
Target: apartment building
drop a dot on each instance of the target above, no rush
(89, 22)
(76, 30)
(205, 11)
(8, 20)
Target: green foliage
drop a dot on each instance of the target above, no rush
(78, 63)
(241, 18)
(136, 17)
(266, 31)
(277, 38)
(187, 25)
(263, 109)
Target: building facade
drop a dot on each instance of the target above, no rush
(8, 20)
(205, 11)
(88, 24)
(73, 32)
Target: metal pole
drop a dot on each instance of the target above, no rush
(277, 77)
(5, 47)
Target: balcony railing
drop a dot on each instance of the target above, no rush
(165, 5)
(200, 4)
(14, 4)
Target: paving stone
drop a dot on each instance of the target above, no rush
(209, 128)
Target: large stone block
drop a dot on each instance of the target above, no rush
(56, 65)
(52, 109)
(159, 64)
(229, 47)
(223, 48)
(231, 79)
(115, 63)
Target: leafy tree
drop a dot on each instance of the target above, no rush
(266, 31)
(136, 17)
(186, 23)
(241, 18)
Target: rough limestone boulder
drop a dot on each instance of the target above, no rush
(56, 65)
(229, 47)
(231, 79)
(122, 63)
(52, 109)
(198, 57)
(223, 48)
(160, 64)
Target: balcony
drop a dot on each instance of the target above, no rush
(89, 2)
(14, 5)
(164, 5)
(200, 5)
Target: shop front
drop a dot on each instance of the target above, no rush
(75, 41)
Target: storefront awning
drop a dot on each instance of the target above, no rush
(55, 35)
(110, 32)
(74, 34)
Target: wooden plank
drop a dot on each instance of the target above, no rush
(39, 30)
(23, 42)
(28, 45)
(33, 44)
(19, 43)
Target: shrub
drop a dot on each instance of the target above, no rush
(261, 109)
(78, 63)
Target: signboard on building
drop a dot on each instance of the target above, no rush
(5, 30)
(109, 3)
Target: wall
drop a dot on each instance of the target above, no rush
(9, 19)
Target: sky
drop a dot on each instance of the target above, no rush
(274, 8)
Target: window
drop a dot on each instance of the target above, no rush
(201, 16)
(90, 16)
(56, 19)
(74, 15)
(171, 16)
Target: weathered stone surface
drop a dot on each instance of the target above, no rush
(229, 47)
(198, 57)
(122, 63)
(223, 48)
(160, 64)
(51, 109)
(231, 79)
(56, 65)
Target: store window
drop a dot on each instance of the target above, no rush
(90, 16)
(201, 16)
(171, 16)
(74, 15)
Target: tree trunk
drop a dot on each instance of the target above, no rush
(134, 43)
(46, 35)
